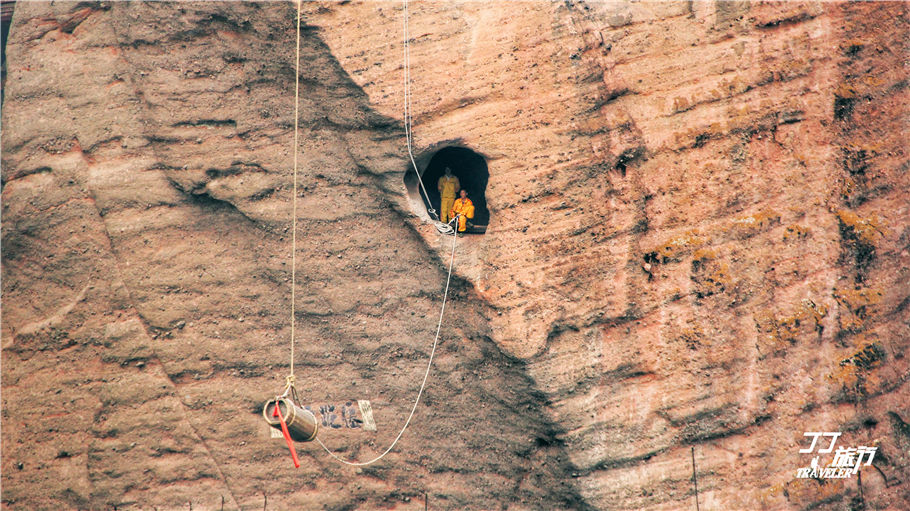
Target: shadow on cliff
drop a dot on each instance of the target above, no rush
(482, 437)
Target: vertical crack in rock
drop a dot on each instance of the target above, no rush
(747, 246)
(197, 295)
(698, 239)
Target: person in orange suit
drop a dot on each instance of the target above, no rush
(448, 189)
(464, 207)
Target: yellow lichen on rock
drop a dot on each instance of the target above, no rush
(750, 225)
(691, 336)
(675, 248)
(709, 275)
(857, 305)
(807, 493)
(805, 319)
(866, 230)
(855, 374)
(796, 232)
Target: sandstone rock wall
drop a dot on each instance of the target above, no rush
(698, 228)
(147, 173)
(698, 238)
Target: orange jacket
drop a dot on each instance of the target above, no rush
(463, 207)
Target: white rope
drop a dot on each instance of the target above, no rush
(408, 129)
(422, 385)
(408, 136)
(290, 379)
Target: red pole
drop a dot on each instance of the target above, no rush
(287, 435)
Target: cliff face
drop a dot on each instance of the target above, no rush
(698, 228)
(147, 201)
(698, 238)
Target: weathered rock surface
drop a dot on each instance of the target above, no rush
(698, 228)
(147, 185)
(699, 238)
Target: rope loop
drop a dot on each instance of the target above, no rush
(442, 310)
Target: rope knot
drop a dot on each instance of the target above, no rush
(289, 387)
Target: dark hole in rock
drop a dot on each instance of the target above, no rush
(471, 170)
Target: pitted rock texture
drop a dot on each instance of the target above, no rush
(698, 229)
(698, 238)
(147, 172)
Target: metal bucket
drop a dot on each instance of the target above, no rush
(301, 423)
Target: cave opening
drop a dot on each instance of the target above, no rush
(473, 175)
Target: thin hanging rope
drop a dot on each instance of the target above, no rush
(289, 386)
(290, 381)
(408, 128)
(425, 375)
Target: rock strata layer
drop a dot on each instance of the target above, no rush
(699, 226)
(147, 173)
(698, 239)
